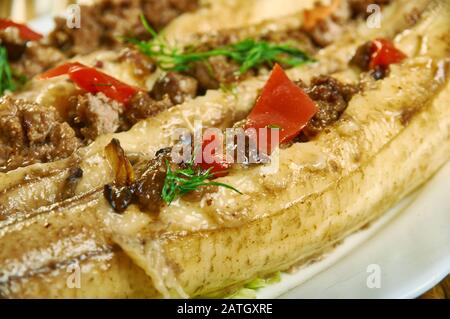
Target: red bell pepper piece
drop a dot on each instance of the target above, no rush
(212, 151)
(385, 53)
(62, 69)
(25, 32)
(93, 81)
(282, 104)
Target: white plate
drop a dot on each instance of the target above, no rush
(410, 244)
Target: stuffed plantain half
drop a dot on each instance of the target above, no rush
(109, 91)
(325, 188)
(332, 180)
(31, 188)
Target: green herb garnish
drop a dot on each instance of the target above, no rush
(248, 53)
(274, 126)
(6, 77)
(183, 181)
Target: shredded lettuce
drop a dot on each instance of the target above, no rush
(249, 290)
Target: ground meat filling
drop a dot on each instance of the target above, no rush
(331, 98)
(177, 86)
(104, 23)
(142, 106)
(94, 115)
(219, 70)
(31, 134)
(28, 58)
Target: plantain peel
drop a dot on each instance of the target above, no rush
(323, 191)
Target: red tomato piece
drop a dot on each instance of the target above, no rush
(25, 32)
(283, 105)
(93, 81)
(385, 53)
(60, 70)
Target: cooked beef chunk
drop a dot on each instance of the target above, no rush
(31, 134)
(331, 98)
(104, 22)
(177, 86)
(95, 115)
(141, 107)
(71, 182)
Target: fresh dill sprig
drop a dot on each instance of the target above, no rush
(247, 53)
(6, 77)
(182, 181)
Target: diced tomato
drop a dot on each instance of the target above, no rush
(60, 70)
(25, 32)
(282, 104)
(385, 53)
(94, 81)
(212, 151)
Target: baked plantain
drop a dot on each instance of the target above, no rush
(323, 191)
